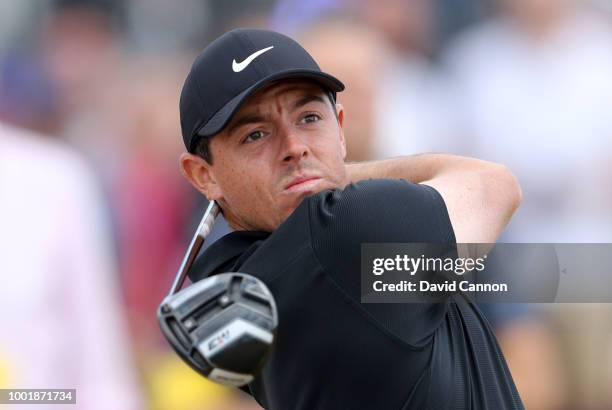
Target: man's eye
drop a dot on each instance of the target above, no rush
(311, 118)
(253, 136)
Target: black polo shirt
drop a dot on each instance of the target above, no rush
(332, 352)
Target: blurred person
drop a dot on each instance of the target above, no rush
(265, 139)
(160, 27)
(533, 87)
(79, 42)
(453, 16)
(293, 16)
(28, 98)
(412, 114)
(408, 25)
(62, 324)
(79, 45)
(529, 343)
(366, 56)
(225, 15)
(396, 102)
(14, 18)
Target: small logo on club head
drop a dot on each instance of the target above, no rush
(219, 340)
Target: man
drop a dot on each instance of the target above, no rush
(62, 326)
(265, 140)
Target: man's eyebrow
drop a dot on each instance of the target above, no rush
(307, 99)
(255, 118)
(243, 120)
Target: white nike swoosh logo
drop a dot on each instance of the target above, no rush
(238, 67)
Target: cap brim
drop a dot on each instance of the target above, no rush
(220, 119)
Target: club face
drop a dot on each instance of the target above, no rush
(222, 326)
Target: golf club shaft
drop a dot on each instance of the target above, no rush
(204, 229)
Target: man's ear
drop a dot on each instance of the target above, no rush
(340, 111)
(199, 173)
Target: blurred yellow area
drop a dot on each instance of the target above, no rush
(174, 385)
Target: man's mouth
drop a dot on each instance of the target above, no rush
(301, 181)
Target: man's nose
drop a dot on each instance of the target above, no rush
(294, 148)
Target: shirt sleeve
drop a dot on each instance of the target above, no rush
(383, 210)
(379, 211)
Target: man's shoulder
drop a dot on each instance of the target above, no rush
(335, 223)
(375, 192)
(385, 205)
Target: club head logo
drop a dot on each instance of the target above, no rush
(219, 340)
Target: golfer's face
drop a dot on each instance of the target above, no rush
(284, 144)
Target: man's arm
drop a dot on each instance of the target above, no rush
(480, 196)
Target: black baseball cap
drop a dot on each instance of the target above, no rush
(232, 68)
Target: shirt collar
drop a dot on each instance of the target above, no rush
(226, 254)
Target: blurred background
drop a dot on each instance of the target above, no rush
(95, 216)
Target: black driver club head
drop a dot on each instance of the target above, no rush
(224, 325)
